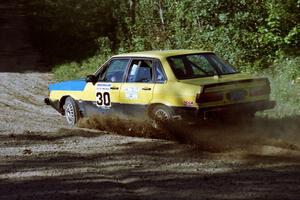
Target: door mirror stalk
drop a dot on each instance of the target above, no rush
(91, 78)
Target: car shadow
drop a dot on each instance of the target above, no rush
(149, 170)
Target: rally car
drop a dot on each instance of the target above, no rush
(162, 85)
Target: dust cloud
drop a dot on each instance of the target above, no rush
(257, 135)
(245, 135)
(124, 126)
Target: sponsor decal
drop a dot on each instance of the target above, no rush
(131, 92)
(188, 103)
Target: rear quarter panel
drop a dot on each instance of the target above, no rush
(177, 94)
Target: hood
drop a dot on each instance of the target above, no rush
(216, 79)
(73, 85)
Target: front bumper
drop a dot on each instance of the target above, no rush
(54, 104)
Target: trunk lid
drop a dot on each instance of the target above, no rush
(230, 89)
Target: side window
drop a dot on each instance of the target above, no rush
(178, 67)
(140, 71)
(159, 73)
(115, 71)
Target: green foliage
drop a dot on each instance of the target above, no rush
(69, 29)
(281, 31)
(246, 32)
(285, 89)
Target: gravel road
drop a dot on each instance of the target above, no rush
(42, 158)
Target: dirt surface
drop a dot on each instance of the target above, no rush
(42, 158)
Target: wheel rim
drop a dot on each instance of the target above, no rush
(70, 115)
(162, 115)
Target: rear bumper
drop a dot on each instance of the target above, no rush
(250, 107)
(54, 104)
(242, 107)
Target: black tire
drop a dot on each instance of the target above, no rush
(161, 114)
(71, 111)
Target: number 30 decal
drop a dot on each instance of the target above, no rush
(103, 99)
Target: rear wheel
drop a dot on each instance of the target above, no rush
(71, 111)
(161, 114)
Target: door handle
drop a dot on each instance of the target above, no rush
(146, 88)
(114, 88)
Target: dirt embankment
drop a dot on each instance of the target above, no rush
(21, 103)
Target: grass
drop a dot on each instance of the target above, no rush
(75, 70)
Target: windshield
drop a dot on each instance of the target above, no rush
(199, 65)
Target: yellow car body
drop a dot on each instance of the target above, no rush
(173, 81)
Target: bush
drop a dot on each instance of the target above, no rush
(285, 90)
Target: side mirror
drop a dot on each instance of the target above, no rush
(91, 78)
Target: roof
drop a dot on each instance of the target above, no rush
(160, 53)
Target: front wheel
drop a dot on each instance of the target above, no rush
(71, 111)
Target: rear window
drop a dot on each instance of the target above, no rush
(199, 65)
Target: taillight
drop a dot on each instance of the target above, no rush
(259, 91)
(209, 97)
